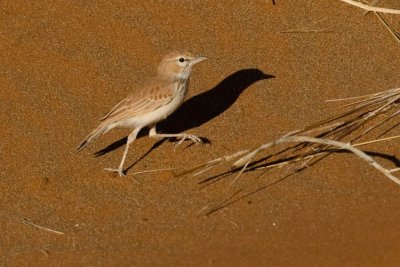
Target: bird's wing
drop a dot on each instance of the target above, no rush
(138, 103)
(113, 110)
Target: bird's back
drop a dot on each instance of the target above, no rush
(146, 98)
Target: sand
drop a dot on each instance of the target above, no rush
(63, 64)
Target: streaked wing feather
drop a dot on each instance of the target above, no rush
(135, 105)
(112, 111)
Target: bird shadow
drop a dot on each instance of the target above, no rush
(208, 105)
(203, 107)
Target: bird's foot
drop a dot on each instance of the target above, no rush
(185, 136)
(119, 170)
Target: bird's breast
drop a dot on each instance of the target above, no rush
(181, 89)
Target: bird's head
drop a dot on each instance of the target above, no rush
(178, 65)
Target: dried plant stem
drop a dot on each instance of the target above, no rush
(208, 165)
(372, 3)
(372, 8)
(390, 28)
(27, 222)
(370, 96)
(306, 139)
(304, 30)
(376, 141)
(316, 142)
(322, 153)
(384, 22)
(322, 138)
(155, 170)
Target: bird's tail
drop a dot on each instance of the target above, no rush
(93, 136)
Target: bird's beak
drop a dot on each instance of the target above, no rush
(198, 59)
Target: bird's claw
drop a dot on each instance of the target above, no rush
(191, 137)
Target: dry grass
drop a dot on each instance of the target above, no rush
(368, 116)
(392, 31)
(28, 222)
(372, 8)
(369, 113)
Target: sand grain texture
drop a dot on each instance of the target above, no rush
(63, 64)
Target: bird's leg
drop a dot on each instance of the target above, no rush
(131, 138)
(181, 136)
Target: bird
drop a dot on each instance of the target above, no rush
(151, 102)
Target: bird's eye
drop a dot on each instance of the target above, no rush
(181, 59)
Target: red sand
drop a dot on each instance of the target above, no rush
(63, 64)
